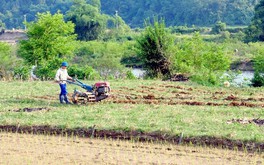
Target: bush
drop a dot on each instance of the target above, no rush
(218, 27)
(22, 72)
(155, 49)
(204, 62)
(258, 80)
(130, 75)
(47, 70)
(83, 72)
(187, 30)
(104, 57)
(8, 61)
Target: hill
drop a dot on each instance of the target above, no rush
(134, 12)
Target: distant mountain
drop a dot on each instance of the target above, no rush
(183, 12)
(14, 12)
(134, 12)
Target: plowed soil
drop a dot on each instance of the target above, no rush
(39, 149)
(181, 95)
(138, 136)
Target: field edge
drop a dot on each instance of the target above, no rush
(92, 132)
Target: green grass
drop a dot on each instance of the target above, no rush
(172, 119)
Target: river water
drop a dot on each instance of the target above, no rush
(242, 79)
(139, 73)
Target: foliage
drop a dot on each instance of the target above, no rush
(258, 79)
(259, 57)
(255, 31)
(204, 62)
(47, 70)
(83, 72)
(10, 65)
(105, 57)
(90, 23)
(22, 72)
(7, 62)
(130, 75)
(132, 60)
(109, 66)
(218, 27)
(188, 30)
(49, 37)
(2, 27)
(179, 12)
(14, 13)
(154, 49)
(117, 29)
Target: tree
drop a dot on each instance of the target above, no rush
(180, 12)
(2, 27)
(105, 57)
(50, 40)
(154, 48)
(7, 61)
(258, 64)
(255, 31)
(96, 3)
(204, 62)
(90, 23)
(218, 27)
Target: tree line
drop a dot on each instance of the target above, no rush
(134, 12)
(92, 42)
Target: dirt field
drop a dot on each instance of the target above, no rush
(40, 149)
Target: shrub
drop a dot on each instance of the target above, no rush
(8, 61)
(154, 49)
(22, 72)
(204, 62)
(130, 75)
(258, 80)
(83, 72)
(47, 70)
(218, 27)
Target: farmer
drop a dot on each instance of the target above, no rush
(61, 77)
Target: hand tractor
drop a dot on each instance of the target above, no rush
(99, 91)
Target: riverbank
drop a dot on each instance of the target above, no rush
(246, 65)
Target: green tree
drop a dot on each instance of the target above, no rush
(90, 23)
(219, 27)
(176, 12)
(255, 31)
(7, 62)
(105, 57)
(258, 65)
(117, 29)
(96, 3)
(50, 40)
(204, 62)
(2, 27)
(154, 48)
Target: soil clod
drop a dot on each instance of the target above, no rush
(31, 109)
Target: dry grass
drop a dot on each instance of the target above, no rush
(41, 149)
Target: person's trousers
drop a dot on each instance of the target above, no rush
(63, 95)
